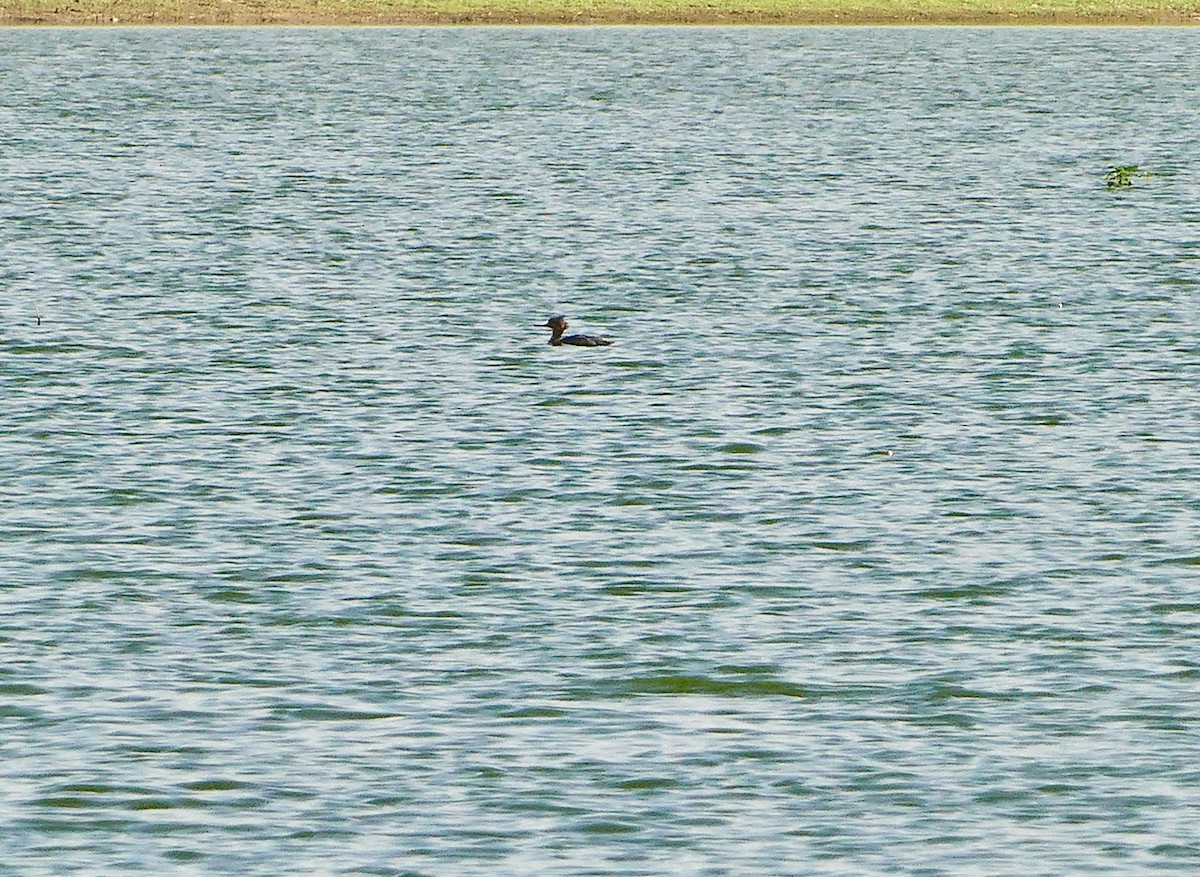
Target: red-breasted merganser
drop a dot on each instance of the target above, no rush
(558, 325)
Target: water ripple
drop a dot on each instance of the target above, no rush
(867, 548)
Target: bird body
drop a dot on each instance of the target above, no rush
(558, 325)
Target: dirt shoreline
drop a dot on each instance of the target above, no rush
(76, 13)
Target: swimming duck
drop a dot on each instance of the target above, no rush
(558, 325)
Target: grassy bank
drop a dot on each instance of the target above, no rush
(330, 12)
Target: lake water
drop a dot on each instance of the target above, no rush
(870, 546)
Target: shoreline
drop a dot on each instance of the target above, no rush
(433, 13)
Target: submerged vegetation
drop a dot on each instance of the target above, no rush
(334, 12)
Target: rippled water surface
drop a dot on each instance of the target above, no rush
(870, 546)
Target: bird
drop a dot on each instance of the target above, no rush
(558, 325)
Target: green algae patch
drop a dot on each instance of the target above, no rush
(704, 685)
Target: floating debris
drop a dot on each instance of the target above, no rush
(1122, 175)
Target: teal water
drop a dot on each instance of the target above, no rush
(869, 547)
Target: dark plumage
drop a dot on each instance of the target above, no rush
(558, 325)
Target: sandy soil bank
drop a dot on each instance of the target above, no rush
(516, 12)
